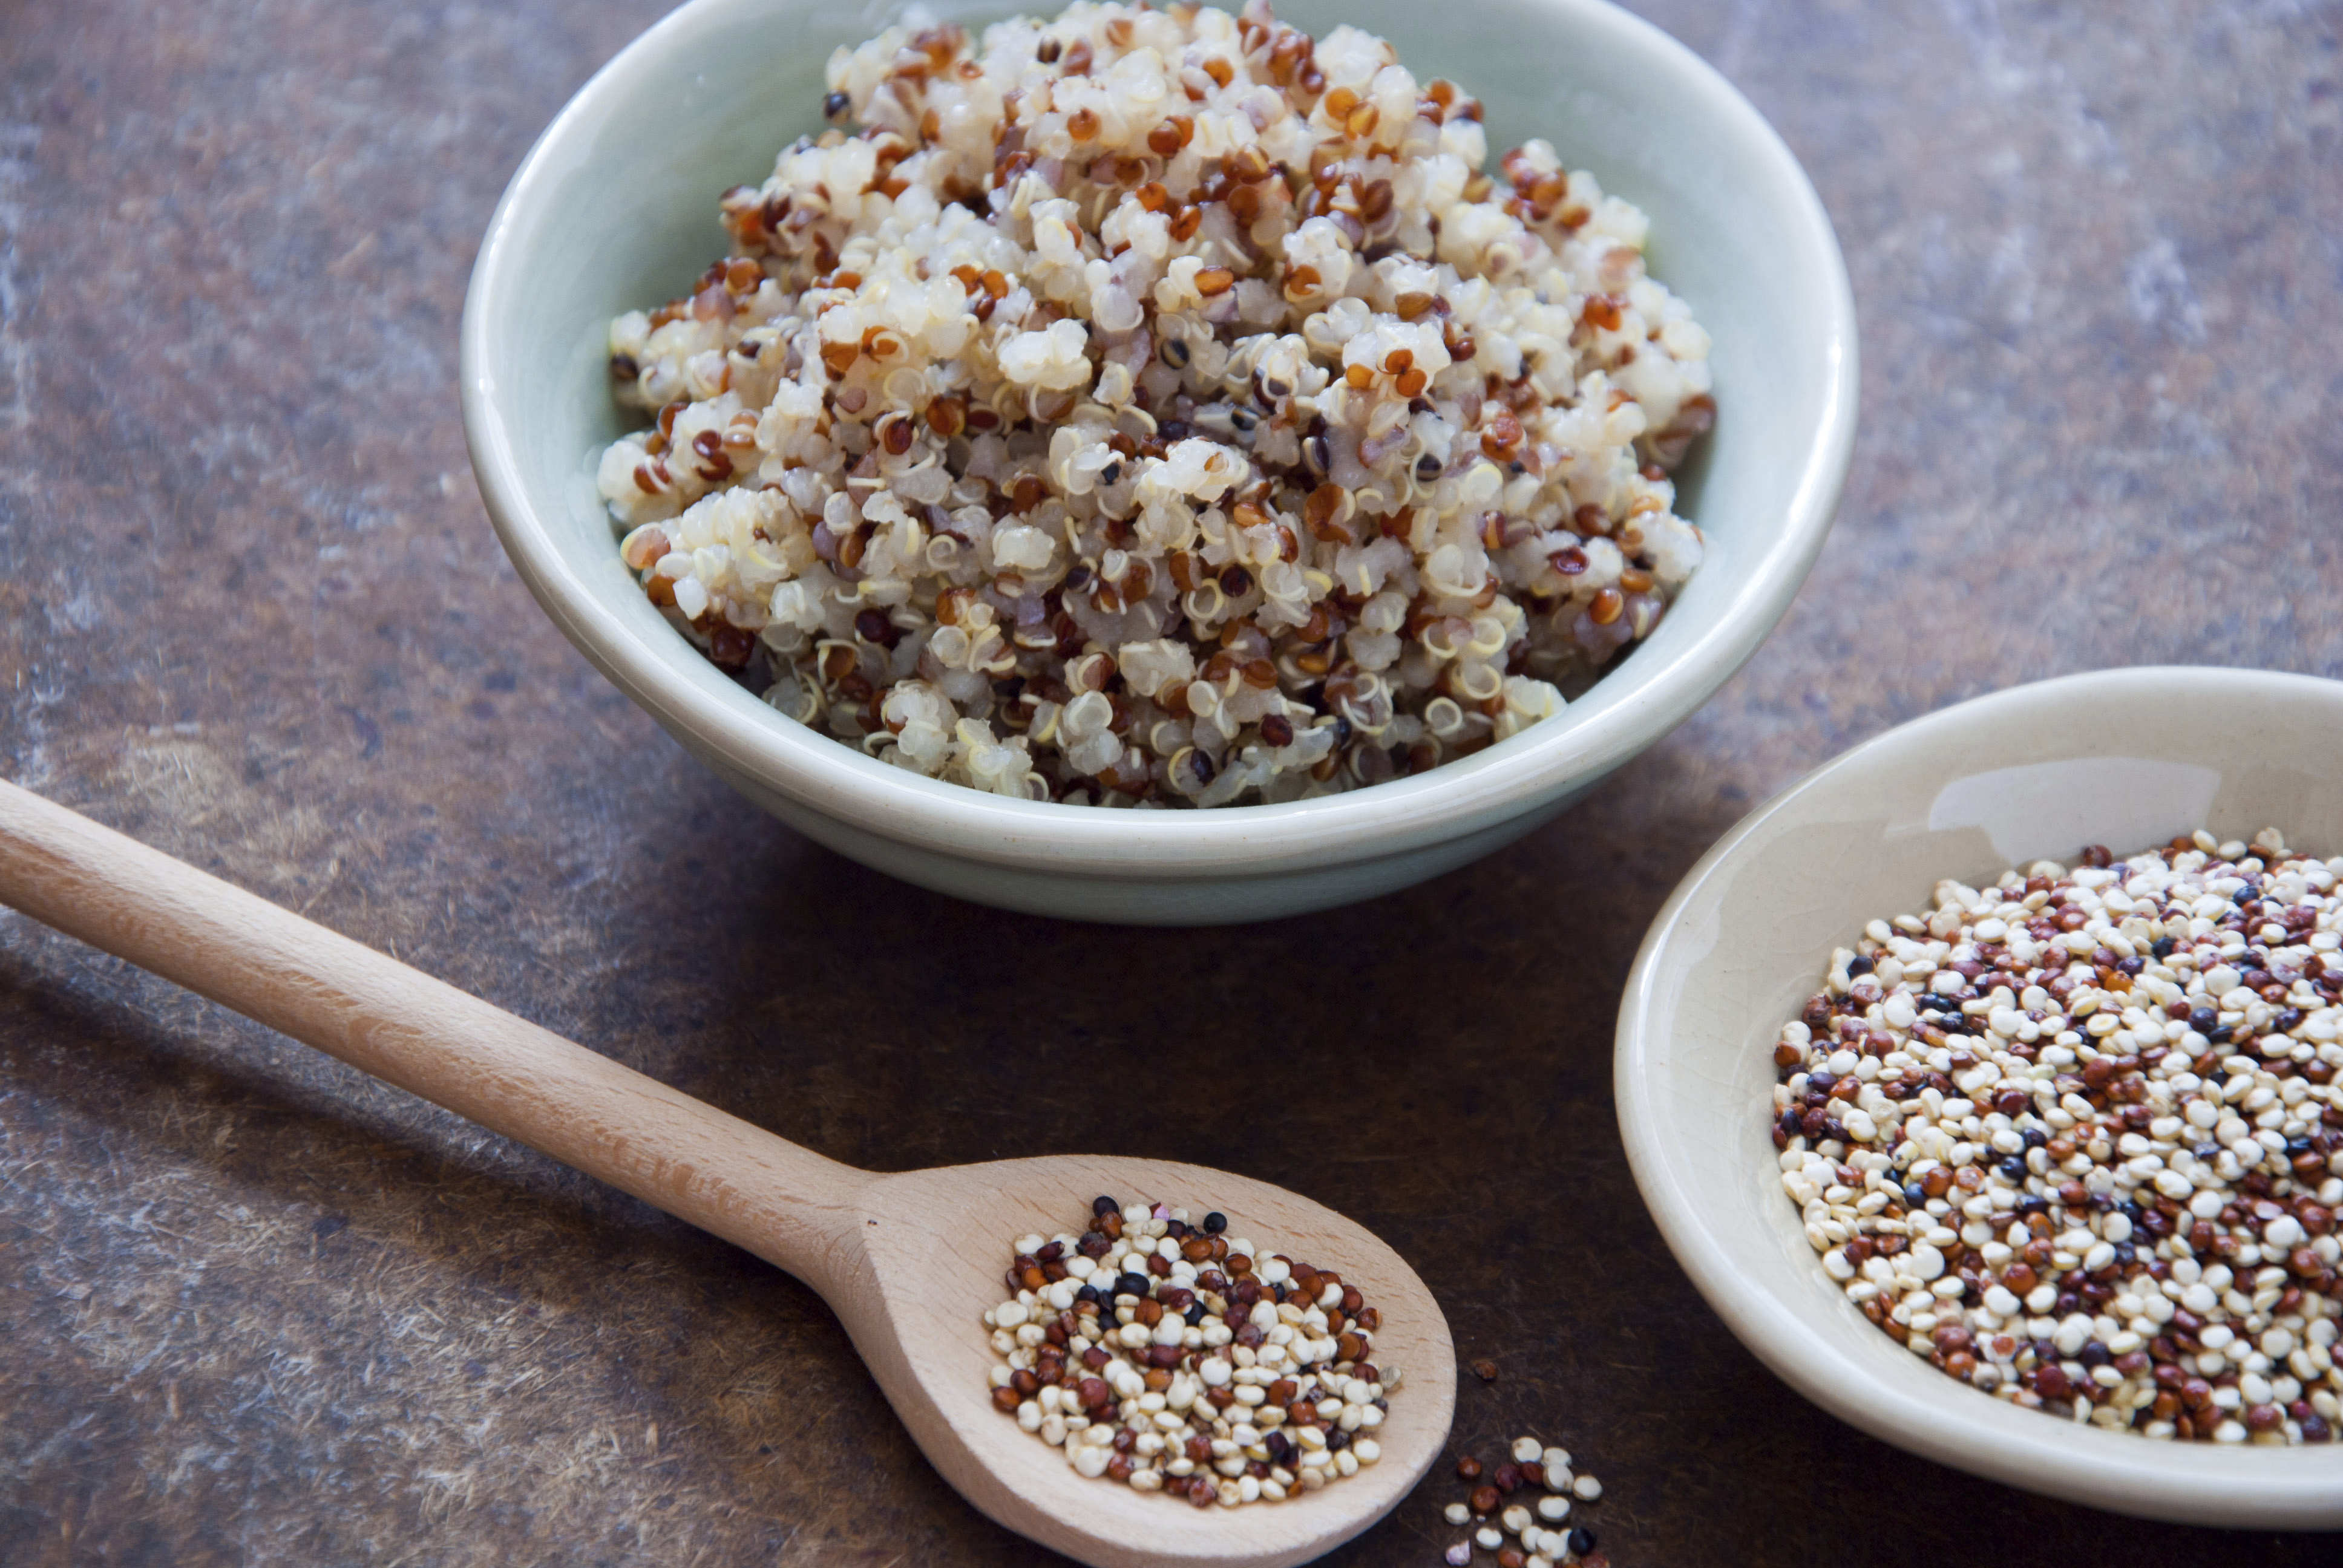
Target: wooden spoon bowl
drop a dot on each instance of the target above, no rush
(909, 1261)
(933, 1244)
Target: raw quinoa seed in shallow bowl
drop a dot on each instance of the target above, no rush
(2128, 759)
(615, 209)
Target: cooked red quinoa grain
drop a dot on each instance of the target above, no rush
(2077, 1137)
(1184, 344)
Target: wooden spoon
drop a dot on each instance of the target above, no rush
(909, 1261)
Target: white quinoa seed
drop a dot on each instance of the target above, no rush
(2078, 1138)
(1156, 407)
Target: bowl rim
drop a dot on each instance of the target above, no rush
(839, 781)
(2183, 1482)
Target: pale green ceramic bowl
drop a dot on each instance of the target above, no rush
(616, 205)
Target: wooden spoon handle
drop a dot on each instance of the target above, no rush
(787, 1204)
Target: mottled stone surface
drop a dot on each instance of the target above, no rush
(256, 1308)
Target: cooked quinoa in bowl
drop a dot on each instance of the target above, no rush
(1150, 407)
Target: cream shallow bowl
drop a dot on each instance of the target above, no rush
(2126, 759)
(615, 206)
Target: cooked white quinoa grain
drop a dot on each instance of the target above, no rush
(1154, 406)
(2077, 1137)
(1174, 1357)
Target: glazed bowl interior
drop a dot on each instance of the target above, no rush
(2126, 759)
(615, 209)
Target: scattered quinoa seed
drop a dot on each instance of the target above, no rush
(1534, 1543)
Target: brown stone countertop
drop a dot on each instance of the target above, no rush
(257, 1309)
